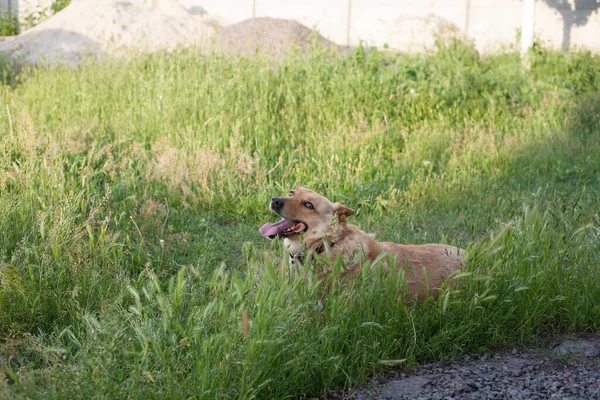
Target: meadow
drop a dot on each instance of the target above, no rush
(131, 193)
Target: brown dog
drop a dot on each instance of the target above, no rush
(312, 224)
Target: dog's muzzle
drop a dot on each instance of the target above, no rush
(276, 204)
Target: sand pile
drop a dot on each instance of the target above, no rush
(410, 33)
(90, 28)
(273, 37)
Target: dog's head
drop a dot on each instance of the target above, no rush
(304, 211)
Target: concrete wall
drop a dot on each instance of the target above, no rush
(408, 24)
(6, 6)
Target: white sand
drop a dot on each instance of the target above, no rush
(410, 33)
(91, 28)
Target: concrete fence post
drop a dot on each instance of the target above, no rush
(527, 26)
(348, 22)
(467, 16)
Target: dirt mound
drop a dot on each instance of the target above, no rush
(272, 37)
(90, 28)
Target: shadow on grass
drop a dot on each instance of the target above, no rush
(562, 161)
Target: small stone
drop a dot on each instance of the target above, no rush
(576, 348)
(405, 387)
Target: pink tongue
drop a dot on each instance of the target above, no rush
(271, 230)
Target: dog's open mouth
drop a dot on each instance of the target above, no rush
(282, 228)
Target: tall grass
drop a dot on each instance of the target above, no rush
(131, 191)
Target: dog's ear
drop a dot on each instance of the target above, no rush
(342, 211)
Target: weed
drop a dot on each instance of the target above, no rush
(9, 24)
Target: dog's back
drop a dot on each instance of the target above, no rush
(427, 265)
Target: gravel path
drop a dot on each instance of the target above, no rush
(568, 370)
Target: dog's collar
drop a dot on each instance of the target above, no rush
(320, 249)
(297, 257)
(300, 257)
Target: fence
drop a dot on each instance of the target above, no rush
(406, 24)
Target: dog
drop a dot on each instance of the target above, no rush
(313, 225)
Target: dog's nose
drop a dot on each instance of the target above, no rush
(276, 203)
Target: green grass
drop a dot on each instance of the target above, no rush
(58, 5)
(131, 193)
(9, 24)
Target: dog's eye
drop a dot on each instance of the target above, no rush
(308, 205)
(291, 193)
